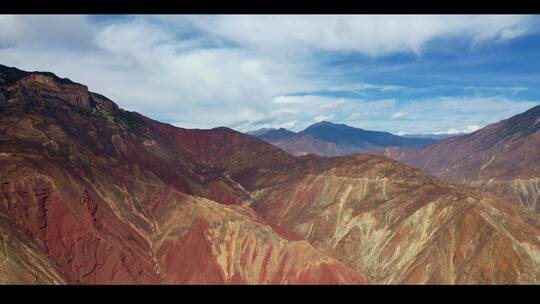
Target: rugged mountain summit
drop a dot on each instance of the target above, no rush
(329, 139)
(93, 194)
(100, 195)
(501, 158)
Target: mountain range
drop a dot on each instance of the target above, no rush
(329, 139)
(501, 158)
(94, 194)
(436, 136)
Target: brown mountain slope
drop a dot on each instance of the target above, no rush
(388, 221)
(243, 247)
(108, 196)
(501, 158)
(397, 225)
(95, 195)
(303, 144)
(21, 262)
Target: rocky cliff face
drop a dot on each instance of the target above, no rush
(93, 194)
(501, 158)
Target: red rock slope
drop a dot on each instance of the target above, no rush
(100, 195)
(93, 194)
(389, 222)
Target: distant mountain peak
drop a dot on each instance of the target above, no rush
(331, 125)
(324, 122)
(327, 123)
(347, 136)
(272, 133)
(326, 138)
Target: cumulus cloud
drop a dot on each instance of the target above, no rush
(248, 71)
(141, 65)
(373, 35)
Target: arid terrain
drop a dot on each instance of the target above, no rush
(501, 158)
(93, 194)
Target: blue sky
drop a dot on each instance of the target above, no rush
(402, 74)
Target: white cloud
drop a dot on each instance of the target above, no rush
(467, 129)
(332, 105)
(470, 129)
(143, 67)
(449, 131)
(398, 115)
(290, 99)
(373, 35)
(319, 118)
(360, 88)
(288, 124)
(246, 71)
(454, 115)
(42, 33)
